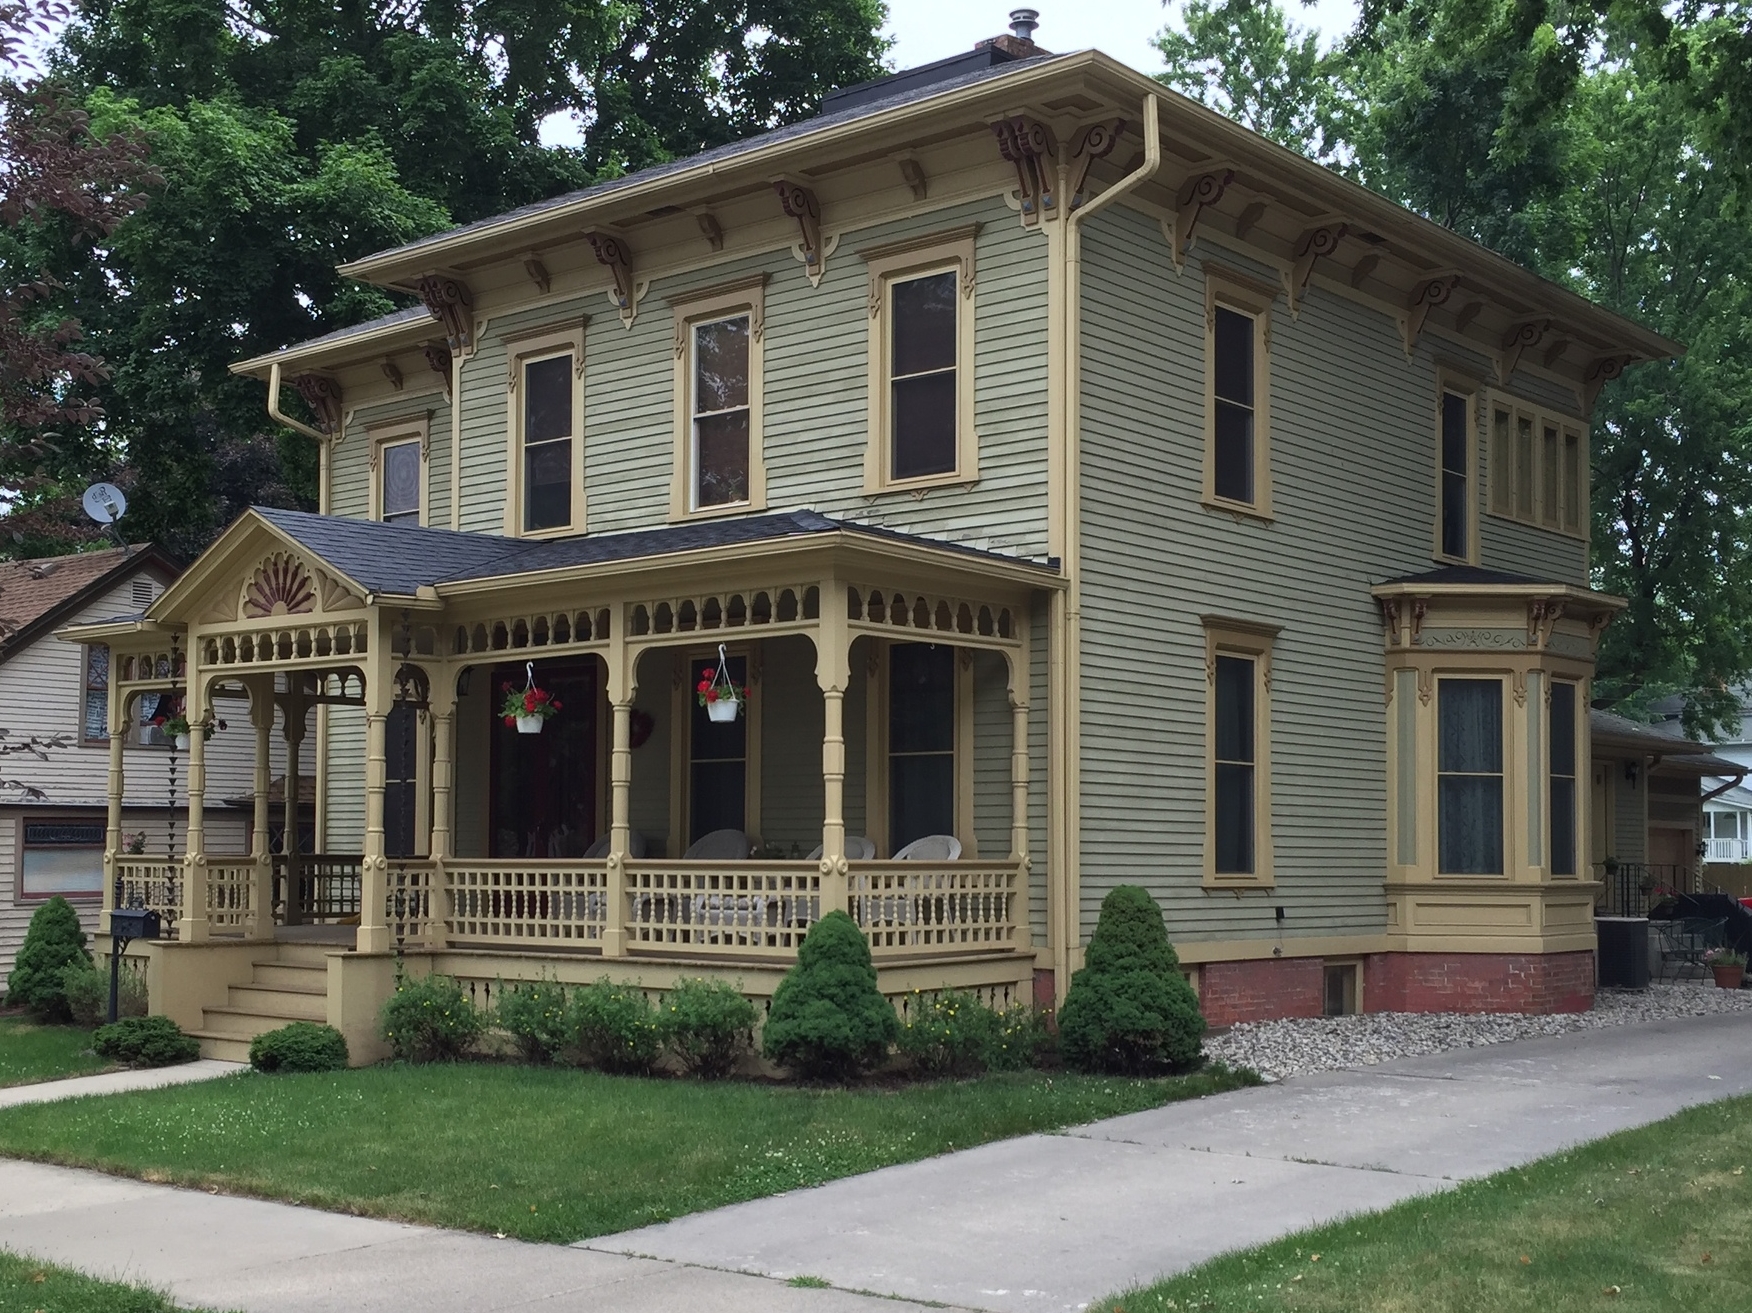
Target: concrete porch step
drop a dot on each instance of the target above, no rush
(227, 1048)
(310, 955)
(247, 1023)
(297, 1001)
(299, 977)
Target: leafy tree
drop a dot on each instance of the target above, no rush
(1250, 62)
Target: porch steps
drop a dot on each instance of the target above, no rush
(288, 983)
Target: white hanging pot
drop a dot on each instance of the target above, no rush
(182, 742)
(529, 724)
(723, 711)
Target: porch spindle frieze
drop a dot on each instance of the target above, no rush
(882, 611)
(781, 607)
(299, 647)
(558, 632)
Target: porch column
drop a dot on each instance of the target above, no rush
(373, 936)
(112, 829)
(1018, 665)
(833, 673)
(261, 894)
(443, 709)
(192, 928)
(623, 686)
(293, 732)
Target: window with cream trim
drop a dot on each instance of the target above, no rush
(544, 376)
(1538, 468)
(1238, 846)
(1469, 776)
(400, 479)
(718, 386)
(921, 363)
(1456, 459)
(1237, 473)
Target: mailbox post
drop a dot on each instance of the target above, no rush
(126, 925)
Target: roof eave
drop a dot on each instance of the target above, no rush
(1570, 592)
(340, 351)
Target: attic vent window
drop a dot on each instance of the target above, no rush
(140, 592)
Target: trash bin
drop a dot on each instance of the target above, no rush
(1624, 951)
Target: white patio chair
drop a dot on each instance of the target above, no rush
(931, 848)
(636, 846)
(858, 849)
(718, 846)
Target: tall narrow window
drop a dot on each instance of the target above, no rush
(1469, 777)
(1233, 766)
(547, 443)
(1456, 472)
(1502, 463)
(94, 720)
(1524, 467)
(399, 493)
(921, 742)
(721, 412)
(718, 769)
(1563, 778)
(1549, 478)
(1574, 485)
(1232, 455)
(922, 368)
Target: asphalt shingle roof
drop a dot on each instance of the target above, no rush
(1470, 574)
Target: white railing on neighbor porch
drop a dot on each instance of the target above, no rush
(1727, 850)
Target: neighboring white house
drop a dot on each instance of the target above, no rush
(52, 811)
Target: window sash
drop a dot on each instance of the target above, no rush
(1561, 735)
(1469, 776)
(1234, 751)
(923, 378)
(399, 482)
(547, 438)
(720, 436)
(94, 709)
(1456, 465)
(1233, 364)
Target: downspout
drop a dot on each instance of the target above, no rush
(1065, 662)
(299, 426)
(1717, 792)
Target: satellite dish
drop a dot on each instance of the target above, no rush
(105, 503)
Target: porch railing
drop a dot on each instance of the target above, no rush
(1727, 850)
(230, 886)
(526, 904)
(325, 887)
(1632, 888)
(154, 883)
(916, 907)
(759, 908)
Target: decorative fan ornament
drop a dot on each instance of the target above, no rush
(281, 586)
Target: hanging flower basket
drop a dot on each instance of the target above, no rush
(528, 708)
(722, 698)
(176, 724)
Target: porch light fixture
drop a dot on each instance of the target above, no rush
(530, 707)
(722, 697)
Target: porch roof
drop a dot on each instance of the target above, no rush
(401, 560)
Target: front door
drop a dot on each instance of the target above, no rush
(718, 762)
(544, 802)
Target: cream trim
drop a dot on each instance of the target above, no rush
(1235, 291)
(1252, 641)
(951, 251)
(745, 297)
(1452, 381)
(397, 432)
(1571, 518)
(521, 350)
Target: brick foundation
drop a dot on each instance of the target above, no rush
(1478, 982)
(1261, 990)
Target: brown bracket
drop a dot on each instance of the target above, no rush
(1254, 212)
(800, 203)
(1599, 374)
(612, 253)
(1467, 313)
(392, 373)
(1028, 144)
(323, 395)
(448, 301)
(914, 175)
(1430, 293)
(1310, 246)
(537, 271)
(710, 229)
(438, 359)
(1197, 195)
(1095, 142)
(1364, 267)
(1519, 339)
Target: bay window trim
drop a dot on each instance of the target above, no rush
(743, 297)
(522, 349)
(1253, 641)
(897, 262)
(1235, 291)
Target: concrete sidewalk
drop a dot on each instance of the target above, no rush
(117, 1082)
(1045, 1222)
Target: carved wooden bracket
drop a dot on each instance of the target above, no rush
(1195, 197)
(448, 301)
(1599, 374)
(392, 373)
(1310, 246)
(323, 395)
(1028, 144)
(438, 360)
(710, 229)
(1543, 614)
(1518, 339)
(612, 253)
(1094, 142)
(914, 175)
(1391, 609)
(1429, 293)
(537, 271)
(800, 203)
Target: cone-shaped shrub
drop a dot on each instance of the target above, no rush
(828, 1021)
(54, 942)
(1129, 1010)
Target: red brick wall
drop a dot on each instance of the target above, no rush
(1478, 982)
(1261, 990)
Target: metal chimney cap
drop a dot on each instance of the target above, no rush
(1023, 23)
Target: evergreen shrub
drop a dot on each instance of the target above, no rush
(431, 1019)
(707, 1026)
(828, 1020)
(1129, 1010)
(146, 1042)
(615, 1028)
(300, 1046)
(86, 988)
(54, 941)
(533, 1012)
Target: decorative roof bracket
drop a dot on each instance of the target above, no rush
(1315, 242)
(1430, 292)
(1094, 142)
(448, 301)
(1518, 339)
(537, 271)
(1029, 145)
(392, 372)
(710, 229)
(913, 173)
(438, 359)
(1199, 193)
(1599, 374)
(612, 253)
(323, 395)
(800, 203)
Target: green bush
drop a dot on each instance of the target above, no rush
(300, 1046)
(533, 1012)
(707, 1025)
(87, 992)
(1129, 1010)
(145, 1042)
(951, 1033)
(828, 1020)
(1023, 1040)
(615, 1028)
(431, 1019)
(54, 942)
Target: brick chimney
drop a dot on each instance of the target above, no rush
(1018, 42)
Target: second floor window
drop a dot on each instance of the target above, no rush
(1539, 469)
(399, 470)
(721, 412)
(547, 443)
(1232, 462)
(923, 407)
(1456, 490)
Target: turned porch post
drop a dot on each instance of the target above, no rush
(443, 709)
(623, 686)
(290, 842)
(373, 936)
(112, 828)
(192, 927)
(261, 893)
(833, 672)
(1019, 819)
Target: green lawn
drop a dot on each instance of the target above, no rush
(31, 1053)
(27, 1286)
(1652, 1219)
(544, 1153)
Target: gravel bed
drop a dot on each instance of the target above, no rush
(1276, 1049)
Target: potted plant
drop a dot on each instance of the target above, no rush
(176, 724)
(722, 697)
(528, 708)
(1729, 967)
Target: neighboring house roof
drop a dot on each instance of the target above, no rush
(1736, 796)
(401, 559)
(1607, 728)
(1701, 763)
(36, 595)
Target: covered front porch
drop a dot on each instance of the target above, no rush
(881, 763)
